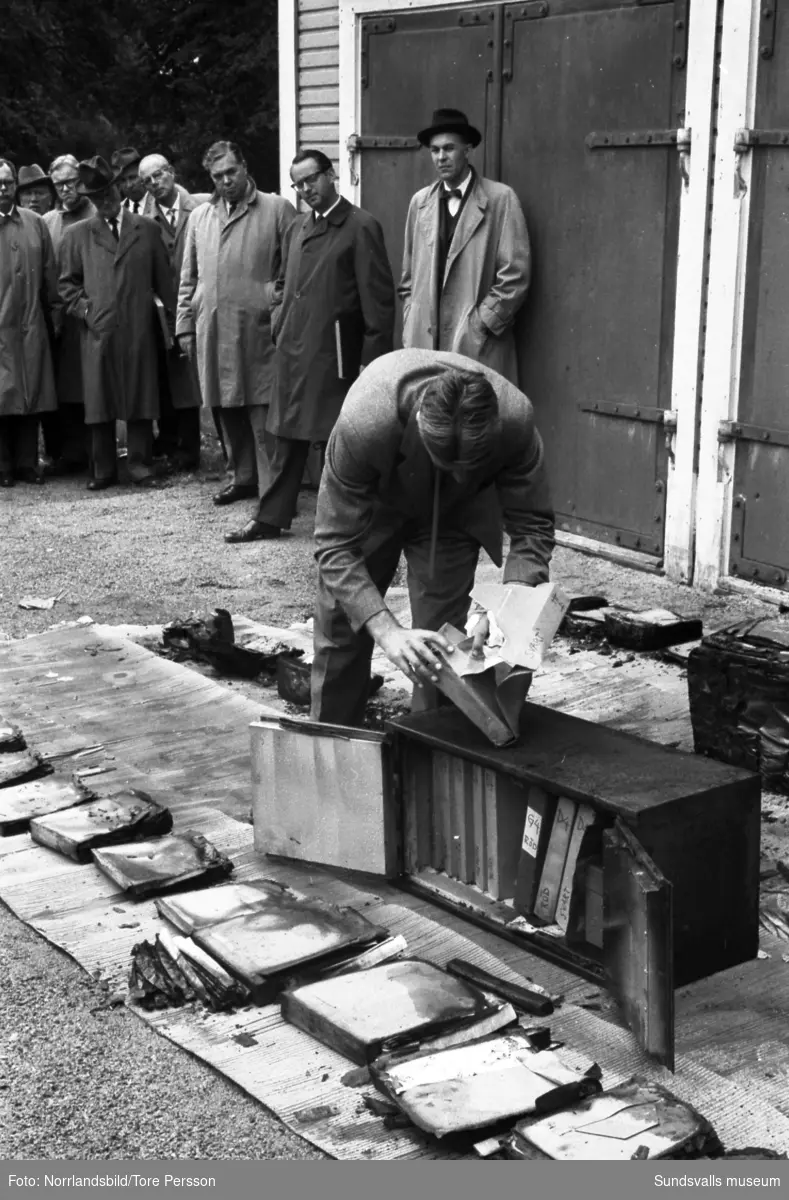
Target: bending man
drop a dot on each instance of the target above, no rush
(432, 456)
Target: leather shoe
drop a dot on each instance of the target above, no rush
(235, 491)
(29, 475)
(101, 485)
(254, 531)
(7, 481)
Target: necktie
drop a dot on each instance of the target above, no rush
(452, 194)
(113, 224)
(133, 205)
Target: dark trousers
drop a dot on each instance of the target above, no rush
(287, 459)
(18, 444)
(178, 433)
(341, 666)
(139, 449)
(66, 439)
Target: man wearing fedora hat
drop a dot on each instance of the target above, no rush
(112, 266)
(466, 257)
(35, 190)
(126, 165)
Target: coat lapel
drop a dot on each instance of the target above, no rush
(314, 229)
(428, 232)
(130, 232)
(102, 235)
(470, 219)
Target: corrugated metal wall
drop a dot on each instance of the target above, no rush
(319, 76)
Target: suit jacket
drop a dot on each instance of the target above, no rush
(181, 373)
(378, 476)
(68, 355)
(472, 308)
(337, 283)
(230, 279)
(109, 286)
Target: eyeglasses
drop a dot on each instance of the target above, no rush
(66, 185)
(307, 181)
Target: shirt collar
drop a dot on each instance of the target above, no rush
(174, 207)
(318, 216)
(10, 216)
(120, 218)
(462, 187)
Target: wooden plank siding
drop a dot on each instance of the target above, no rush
(318, 101)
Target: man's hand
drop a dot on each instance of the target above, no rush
(186, 344)
(480, 636)
(412, 650)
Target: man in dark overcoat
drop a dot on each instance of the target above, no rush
(66, 441)
(336, 317)
(29, 316)
(112, 266)
(435, 457)
(178, 428)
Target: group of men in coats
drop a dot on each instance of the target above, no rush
(278, 316)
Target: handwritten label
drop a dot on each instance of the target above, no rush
(531, 832)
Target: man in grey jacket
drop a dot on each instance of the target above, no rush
(434, 457)
(466, 258)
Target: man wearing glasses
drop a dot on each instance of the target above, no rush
(231, 277)
(169, 205)
(335, 318)
(65, 436)
(29, 312)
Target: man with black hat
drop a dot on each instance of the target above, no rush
(35, 190)
(126, 165)
(112, 265)
(466, 257)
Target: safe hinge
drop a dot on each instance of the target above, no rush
(630, 139)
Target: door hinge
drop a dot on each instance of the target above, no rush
(753, 139)
(631, 139)
(666, 417)
(735, 431)
(357, 142)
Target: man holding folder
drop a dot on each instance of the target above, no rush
(336, 317)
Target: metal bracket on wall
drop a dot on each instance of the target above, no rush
(666, 417)
(379, 25)
(734, 431)
(358, 142)
(629, 139)
(518, 12)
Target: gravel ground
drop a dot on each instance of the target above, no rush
(77, 1083)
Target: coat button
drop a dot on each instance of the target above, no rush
(298, 295)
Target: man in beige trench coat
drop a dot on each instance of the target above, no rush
(232, 272)
(466, 257)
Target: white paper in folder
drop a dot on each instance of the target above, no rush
(320, 794)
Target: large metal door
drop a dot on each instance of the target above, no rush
(592, 102)
(413, 63)
(759, 548)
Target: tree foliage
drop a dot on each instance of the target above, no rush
(83, 77)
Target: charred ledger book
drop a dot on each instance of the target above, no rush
(376, 1011)
(140, 868)
(585, 817)
(75, 832)
(540, 812)
(36, 798)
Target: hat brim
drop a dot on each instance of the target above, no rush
(472, 135)
(85, 191)
(45, 181)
